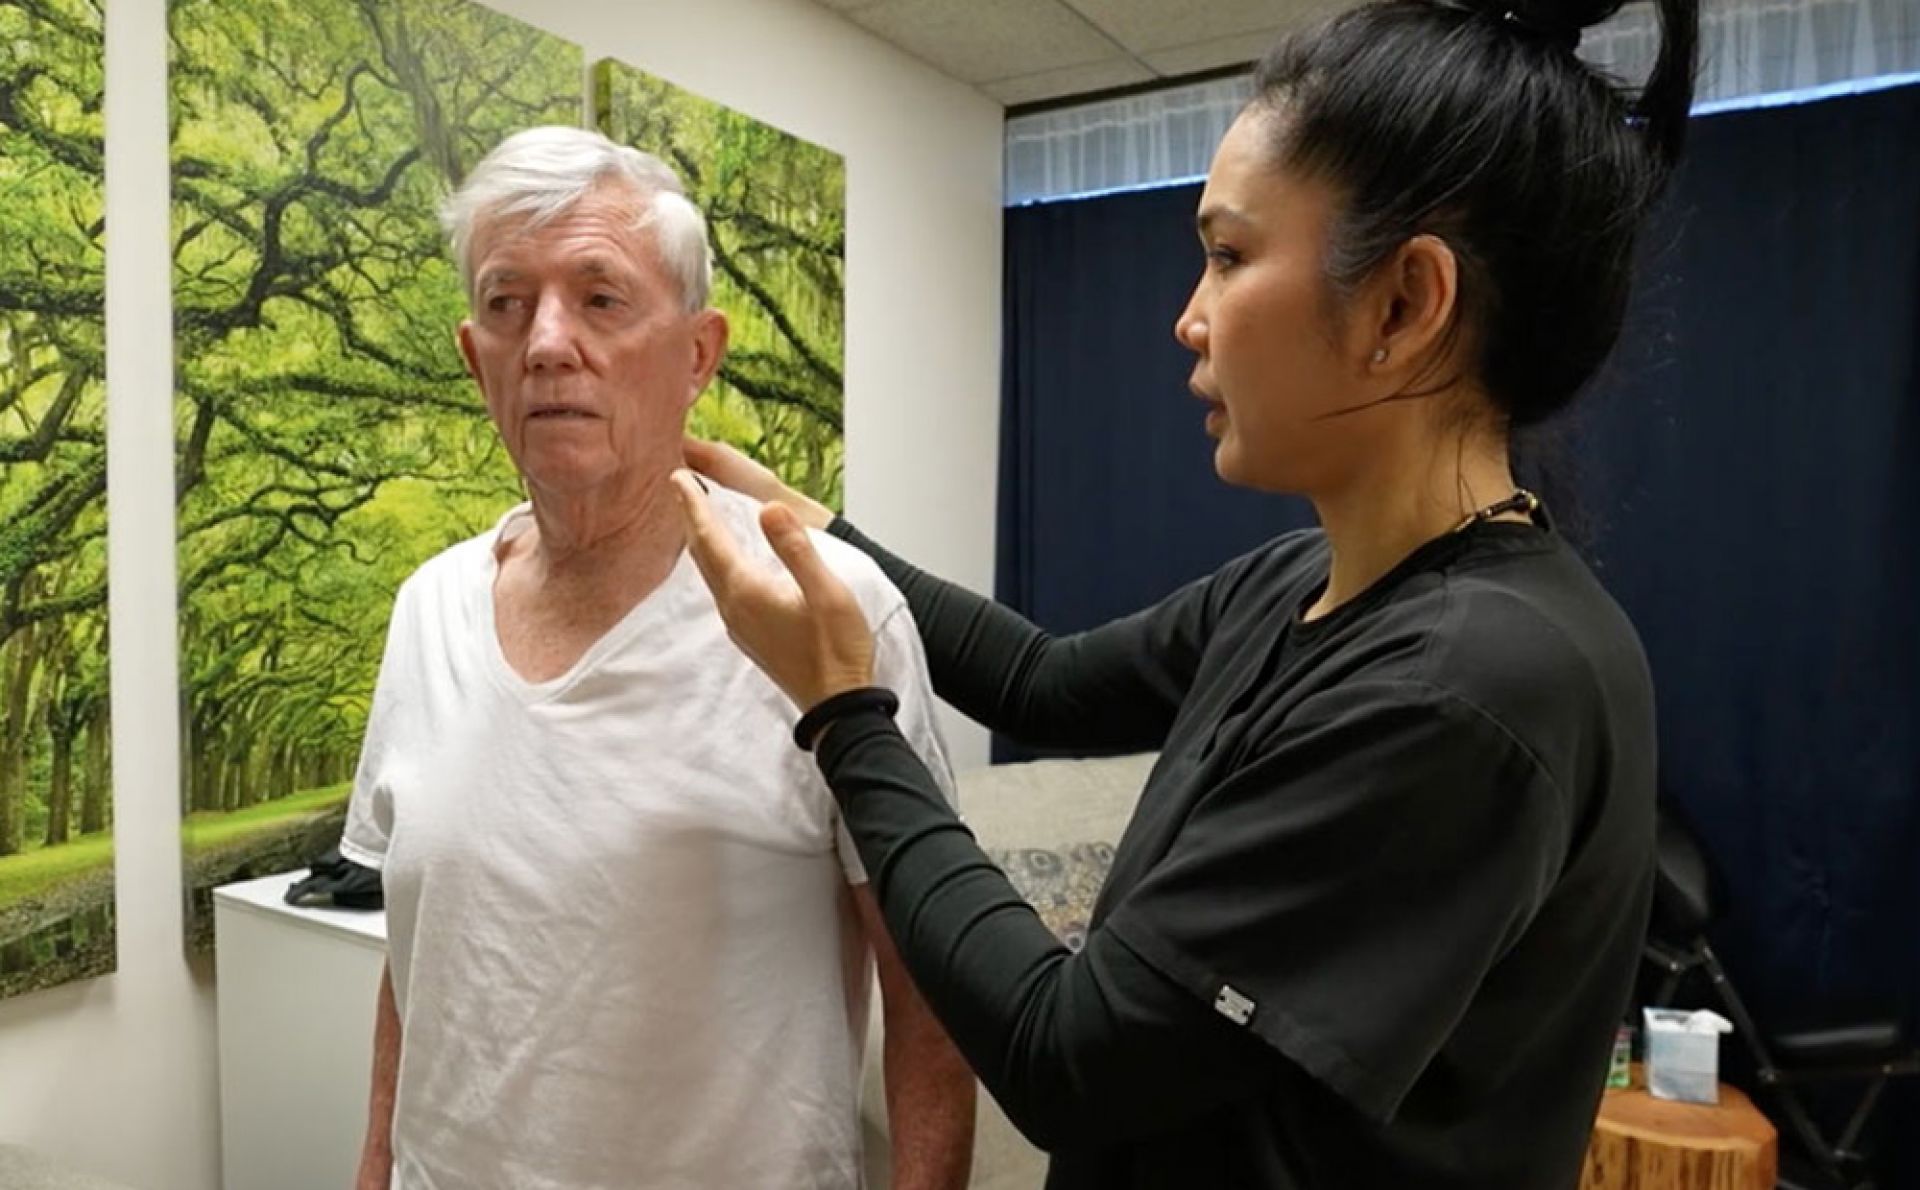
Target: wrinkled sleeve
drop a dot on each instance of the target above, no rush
(900, 664)
(1114, 688)
(1332, 904)
(369, 828)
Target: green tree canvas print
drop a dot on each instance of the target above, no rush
(776, 212)
(328, 440)
(56, 812)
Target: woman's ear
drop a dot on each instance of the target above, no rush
(1414, 300)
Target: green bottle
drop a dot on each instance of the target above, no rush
(1620, 1073)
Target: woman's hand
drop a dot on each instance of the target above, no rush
(731, 469)
(806, 631)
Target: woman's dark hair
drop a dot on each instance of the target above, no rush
(1475, 122)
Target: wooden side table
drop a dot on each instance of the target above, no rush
(1643, 1143)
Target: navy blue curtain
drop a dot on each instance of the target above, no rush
(1747, 476)
(1108, 499)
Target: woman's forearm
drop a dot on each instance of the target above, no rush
(1077, 1049)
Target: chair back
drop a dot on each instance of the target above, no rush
(1684, 894)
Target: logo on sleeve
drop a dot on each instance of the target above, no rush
(1232, 1005)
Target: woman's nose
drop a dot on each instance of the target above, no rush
(1191, 327)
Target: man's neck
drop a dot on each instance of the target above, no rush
(605, 542)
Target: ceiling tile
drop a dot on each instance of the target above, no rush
(1143, 25)
(984, 40)
(1211, 55)
(1074, 80)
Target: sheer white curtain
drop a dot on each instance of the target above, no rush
(1752, 51)
(1153, 139)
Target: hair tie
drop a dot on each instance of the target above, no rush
(1566, 37)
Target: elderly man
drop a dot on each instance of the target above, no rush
(628, 939)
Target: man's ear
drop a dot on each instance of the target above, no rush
(710, 333)
(464, 337)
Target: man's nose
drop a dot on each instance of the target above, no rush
(551, 340)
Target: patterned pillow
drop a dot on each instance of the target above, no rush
(1060, 882)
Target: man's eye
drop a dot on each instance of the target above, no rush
(603, 301)
(504, 303)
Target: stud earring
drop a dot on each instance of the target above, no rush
(1379, 355)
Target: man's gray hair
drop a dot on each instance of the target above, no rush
(536, 175)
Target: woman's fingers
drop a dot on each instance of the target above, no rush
(822, 589)
(732, 469)
(840, 640)
(809, 634)
(705, 457)
(713, 548)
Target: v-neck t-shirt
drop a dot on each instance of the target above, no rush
(622, 944)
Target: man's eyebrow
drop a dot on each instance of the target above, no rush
(601, 267)
(595, 267)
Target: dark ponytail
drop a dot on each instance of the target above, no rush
(1475, 122)
(1665, 100)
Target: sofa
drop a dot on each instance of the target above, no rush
(1051, 825)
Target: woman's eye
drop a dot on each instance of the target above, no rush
(1222, 257)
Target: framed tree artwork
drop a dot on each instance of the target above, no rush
(327, 438)
(56, 805)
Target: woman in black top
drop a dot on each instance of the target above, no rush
(1377, 912)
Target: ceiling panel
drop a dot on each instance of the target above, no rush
(1157, 24)
(1026, 51)
(1072, 80)
(1211, 55)
(985, 40)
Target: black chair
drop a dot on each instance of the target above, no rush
(1869, 1050)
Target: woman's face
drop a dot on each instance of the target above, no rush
(1274, 363)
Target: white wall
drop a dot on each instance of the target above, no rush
(118, 1076)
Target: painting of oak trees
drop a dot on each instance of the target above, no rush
(776, 212)
(328, 440)
(56, 849)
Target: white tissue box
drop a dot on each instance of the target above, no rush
(1683, 1054)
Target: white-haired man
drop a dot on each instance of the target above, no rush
(627, 938)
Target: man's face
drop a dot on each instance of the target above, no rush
(582, 347)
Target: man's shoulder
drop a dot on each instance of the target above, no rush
(453, 569)
(856, 569)
(876, 593)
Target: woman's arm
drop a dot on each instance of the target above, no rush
(1116, 687)
(1077, 1049)
(1330, 905)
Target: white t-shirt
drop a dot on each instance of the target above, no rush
(623, 947)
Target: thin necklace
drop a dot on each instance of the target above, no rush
(1521, 501)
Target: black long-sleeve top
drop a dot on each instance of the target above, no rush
(1377, 913)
